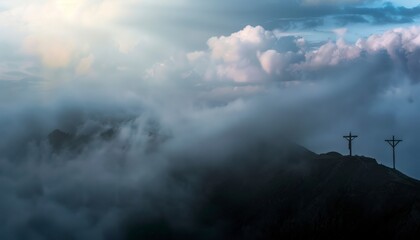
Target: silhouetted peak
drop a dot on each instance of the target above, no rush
(331, 154)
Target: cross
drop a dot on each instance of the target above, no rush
(350, 138)
(393, 142)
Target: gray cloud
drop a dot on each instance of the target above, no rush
(347, 19)
(389, 13)
(312, 16)
(175, 131)
(192, 117)
(204, 19)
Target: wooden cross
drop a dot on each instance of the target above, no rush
(350, 138)
(393, 142)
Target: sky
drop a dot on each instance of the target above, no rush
(193, 78)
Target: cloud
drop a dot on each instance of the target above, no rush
(257, 55)
(85, 65)
(57, 35)
(247, 55)
(237, 53)
(389, 13)
(332, 13)
(334, 2)
(54, 53)
(348, 19)
(381, 68)
(61, 33)
(155, 113)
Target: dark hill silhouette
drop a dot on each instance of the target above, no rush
(301, 196)
(277, 192)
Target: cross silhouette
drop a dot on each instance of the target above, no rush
(393, 142)
(350, 139)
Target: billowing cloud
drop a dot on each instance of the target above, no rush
(153, 97)
(137, 153)
(235, 56)
(254, 54)
(359, 79)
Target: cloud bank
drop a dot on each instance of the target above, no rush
(143, 89)
(197, 112)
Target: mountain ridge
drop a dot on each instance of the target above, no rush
(313, 197)
(276, 191)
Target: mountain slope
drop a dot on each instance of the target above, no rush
(301, 196)
(269, 191)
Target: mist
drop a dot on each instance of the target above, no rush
(112, 120)
(162, 153)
